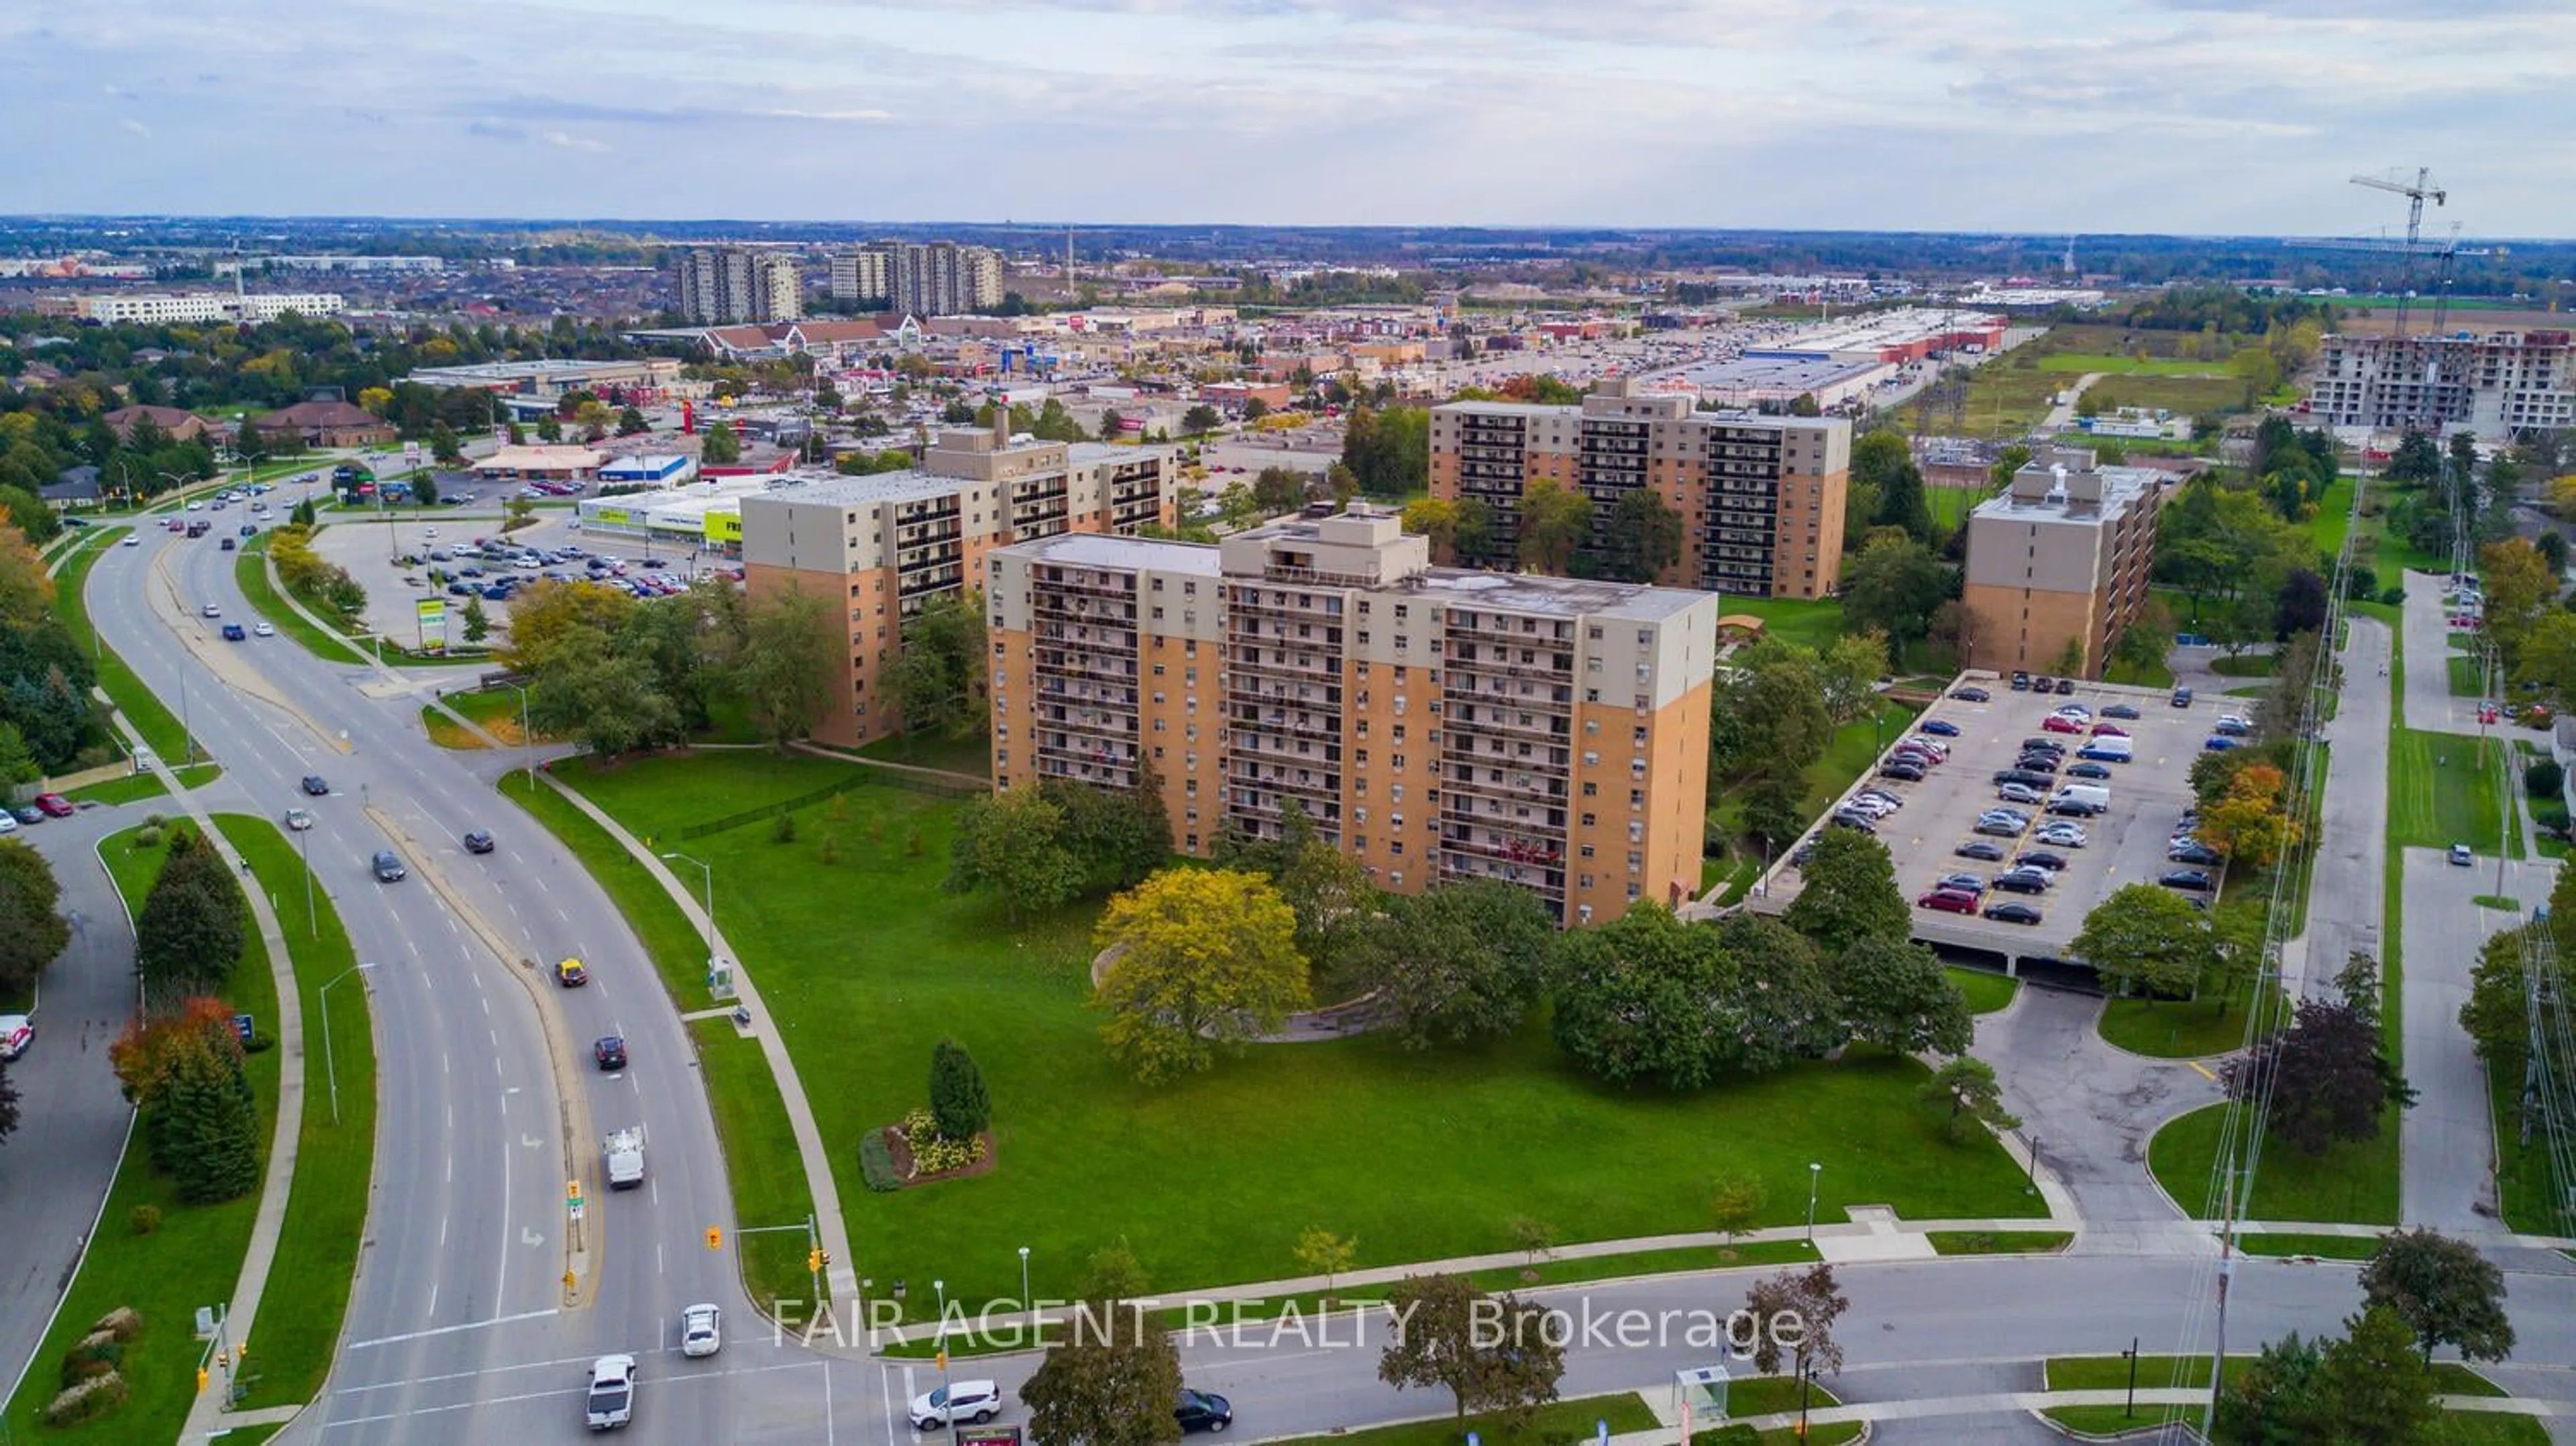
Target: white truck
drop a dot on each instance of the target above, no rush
(625, 1151)
(611, 1399)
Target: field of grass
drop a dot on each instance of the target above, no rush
(2178, 1028)
(970, 755)
(139, 787)
(1770, 1395)
(2246, 665)
(326, 1213)
(761, 1162)
(2153, 675)
(1855, 747)
(1559, 1423)
(2000, 1242)
(2112, 1373)
(2523, 1185)
(159, 726)
(2350, 1184)
(2129, 366)
(1792, 620)
(192, 1259)
(1329, 1135)
(1987, 991)
(2468, 676)
(250, 569)
(1951, 505)
(2442, 791)
(446, 732)
(2324, 1247)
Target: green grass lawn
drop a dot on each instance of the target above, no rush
(1418, 1156)
(2157, 674)
(2523, 1184)
(2246, 665)
(446, 732)
(2442, 791)
(1559, 1423)
(193, 1259)
(1987, 991)
(139, 787)
(250, 569)
(1770, 1395)
(159, 726)
(1854, 748)
(2124, 366)
(2000, 1242)
(1951, 505)
(2468, 676)
(2176, 1028)
(326, 1214)
(2350, 1184)
(1794, 620)
(969, 755)
(2326, 1247)
(2112, 1373)
(761, 1162)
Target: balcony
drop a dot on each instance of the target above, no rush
(1086, 665)
(1508, 628)
(1543, 729)
(1247, 717)
(1520, 787)
(1118, 585)
(1310, 669)
(1491, 666)
(1097, 695)
(1517, 851)
(1272, 743)
(1048, 631)
(1314, 697)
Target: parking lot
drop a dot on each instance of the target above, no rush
(2123, 845)
(368, 550)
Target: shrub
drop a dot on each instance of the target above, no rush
(784, 831)
(87, 1401)
(2394, 597)
(933, 1153)
(143, 1219)
(876, 1164)
(831, 850)
(122, 1323)
(958, 1099)
(2544, 779)
(148, 837)
(98, 1354)
(156, 820)
(260, 1042)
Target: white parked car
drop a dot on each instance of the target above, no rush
(701, 1331)
(976, 1401)
(17, 1031)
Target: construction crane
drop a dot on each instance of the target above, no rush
(2416, 193)
(2444, 254)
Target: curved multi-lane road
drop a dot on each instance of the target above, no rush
(459, 1327)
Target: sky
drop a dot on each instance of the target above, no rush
(2173, 116)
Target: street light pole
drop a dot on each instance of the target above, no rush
(1815, 1176)
(1030, 1305)
(949, 1409)
(708, 870)
(330, 1066)
(312, 921)
(527, 738)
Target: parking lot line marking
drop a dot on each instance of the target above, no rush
(2204, 1070)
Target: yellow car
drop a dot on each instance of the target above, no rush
(570, 974)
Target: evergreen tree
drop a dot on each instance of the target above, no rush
(207, 1121)
(958, 1101)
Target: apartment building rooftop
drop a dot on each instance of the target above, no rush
(1561, 596)
(2065, 485)
(810, 485)
(1095, 549)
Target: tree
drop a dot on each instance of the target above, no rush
(721, 448)
(1110, 1382)
(424, 488)
(2378, 1391)
(2302, 604)
(1902, 503)
(1850, 894)
(32, 932)
(1850, 671)
(1968, 1095)
(1279, 489)
(2145, 939)
(1113, 1273)
(478, 623)
(939, 681)
(1801, 1305)
(2519, 587)
(784, 671)
(2011, 459)
(1649, 1000)
(1321, 1252)
(208, 1120)
(1010, 845)
(631, 423)
(248, 443)
(608, 699)
(1208, 957)
(443, 444)
(549, 614)
(1437, 519)
(958, 1102)
(2324, 1079)
(1200, 420)
(2275, 1400)
(551, 430)
(1254, 409)
(2547, 664)
(189, 932)
(1735, 1205)
(1895, 994)
(1894, 585)
(1118, 835)
(2251, 824)
(1642, 538)
(1498, 1354)
(1554, 522)
(1462, 962)
(2444, 1290)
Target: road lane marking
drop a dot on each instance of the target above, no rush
(472, 1325)
(664, 1382)
(2204, 1069)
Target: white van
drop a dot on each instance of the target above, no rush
(2092, 795)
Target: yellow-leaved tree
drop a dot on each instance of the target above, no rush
(2249, 824)
(1208, 958)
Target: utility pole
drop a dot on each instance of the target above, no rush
(2226, 1272)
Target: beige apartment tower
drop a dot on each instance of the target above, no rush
(2057, 565)
(887, 544)
(1435, 723)
(1760, 497)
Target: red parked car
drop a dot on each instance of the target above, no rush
(1948, 901)
(2109, 730)
(53, 805)
(2056, 724)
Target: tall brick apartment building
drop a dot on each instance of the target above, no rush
(1760, 497)
(2061, 557)
(889, 543)
(1435, 723)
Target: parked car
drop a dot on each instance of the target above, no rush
(2061, 835)
(1853, 820)
(2239, 728)
(1982, 850)
(1998, 828)
(478, 841)
(27, 813)
(17, 1032)
(1971, 695)
(609, 1051)
(2044, 764)
(2056, 724)
(2195, 879)
(2109, 730)
(1948, 901)
(1882, 795)
(2020, 681)
(2218, 743)
(2192, 851)
(701, 1331)
(1961, 883)
(2012, 913)
(977, 1401)
(2017, 882)
(1940, 728)
(1903, 772)
(2065, 686)
(2041, 859)
(2461, 856)
(388, 867)
(2020, 793)
(2083, 711)
(2088, 769)
(2073, 808)
(2042, 683)
(570, 974)
(1202, 1411)
(53, 805)
(2120, 710)
(2182, 697)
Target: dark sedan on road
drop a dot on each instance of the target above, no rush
(478, 841)
(316, 785)
(2009, 913)
(610, 1052)
(2042, 859)
(1977, 848)
(1203, 1411)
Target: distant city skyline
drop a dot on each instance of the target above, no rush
(2143, 116)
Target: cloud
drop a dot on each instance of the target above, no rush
(575, 143)
(135, 126)
(495, 130)
(828, 115)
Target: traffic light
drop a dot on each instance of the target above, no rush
(241, 1353)
(813, 1262)
(715, 1237)
(201, 1380)
(825, 1257)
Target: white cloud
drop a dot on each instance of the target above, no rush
(135, 126)
(575, 143)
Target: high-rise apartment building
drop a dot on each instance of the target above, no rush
(721, 286)
(1435, 723)
(885, 545)
(2498, 385)
(934, 278)
(2057, 565)
(1760, 497)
